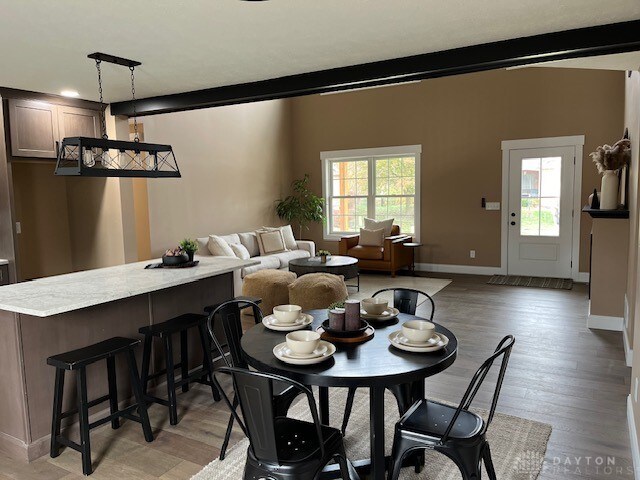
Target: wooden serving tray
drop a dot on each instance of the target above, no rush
(365, 337)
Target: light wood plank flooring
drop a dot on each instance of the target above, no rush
(560, 373)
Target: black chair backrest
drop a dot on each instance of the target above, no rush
(230, 315)
(406, 300)
(254, 391)
(502, 350)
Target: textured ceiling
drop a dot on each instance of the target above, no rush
(187, 45)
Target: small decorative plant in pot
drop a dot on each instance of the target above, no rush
(609, 160)
(324, 255)
(190, 247)
(175, 256)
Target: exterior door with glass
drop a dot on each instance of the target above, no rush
(541, 211)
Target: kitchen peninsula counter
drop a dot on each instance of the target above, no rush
(52, 315)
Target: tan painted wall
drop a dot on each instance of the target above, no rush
(460, 122)
(235, 163)
(632, 122)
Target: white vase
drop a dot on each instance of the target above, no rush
(609, 191)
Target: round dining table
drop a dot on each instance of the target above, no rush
(375, 365)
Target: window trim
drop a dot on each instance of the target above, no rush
(327, 156)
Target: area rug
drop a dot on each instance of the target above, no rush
(371, 283)
(517, 445)
(536, 282)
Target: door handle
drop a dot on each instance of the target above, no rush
(513, 223)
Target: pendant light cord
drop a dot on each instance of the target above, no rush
(136, 138)
(102, 107)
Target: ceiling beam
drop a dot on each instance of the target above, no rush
(582, 42)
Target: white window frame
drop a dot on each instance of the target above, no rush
(328, 156)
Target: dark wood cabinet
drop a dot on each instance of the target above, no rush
(4, 274)
(34, 128)
(78, 122)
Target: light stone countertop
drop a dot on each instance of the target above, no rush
(63, 293)
(4, 262)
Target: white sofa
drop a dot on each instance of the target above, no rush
(278, 261)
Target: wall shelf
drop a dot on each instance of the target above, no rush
(597, 213)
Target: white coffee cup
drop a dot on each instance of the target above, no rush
(418, 330)
(303, 342)
(287, 313)
(374, 306)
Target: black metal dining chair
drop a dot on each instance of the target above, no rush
(453, 431)
(406, 301)
(230, 317)
(282, 448)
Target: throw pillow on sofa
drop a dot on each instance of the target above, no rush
(371, 238)
(287, 233)
(270, 241)
(218, 247)
(386, 225)
(240, 251)
(250, 242)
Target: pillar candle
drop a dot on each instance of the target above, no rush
(352, 315)
(336, 319)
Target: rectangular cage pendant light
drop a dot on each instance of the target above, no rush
(102, 157)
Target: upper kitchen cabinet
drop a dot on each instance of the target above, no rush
(34, 128)
(78, 122)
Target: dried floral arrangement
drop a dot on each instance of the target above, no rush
(614, 157)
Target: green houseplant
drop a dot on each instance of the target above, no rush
(302, 206)
(190, 247)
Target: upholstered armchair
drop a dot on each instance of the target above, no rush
(391, 257)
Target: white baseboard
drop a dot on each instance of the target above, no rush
(468, 269)
(603, 322)
(583, 277)
(633, 434)
(628, 351)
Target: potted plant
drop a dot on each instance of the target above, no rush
(609, 160)
(324, 255)
(190, 247)
(302, 206)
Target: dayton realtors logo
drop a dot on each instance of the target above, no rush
(532, 463)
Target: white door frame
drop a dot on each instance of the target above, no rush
(576, 141)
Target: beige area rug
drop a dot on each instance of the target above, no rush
(517, 445)
(371, 283)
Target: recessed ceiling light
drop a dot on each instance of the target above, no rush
(69, 93)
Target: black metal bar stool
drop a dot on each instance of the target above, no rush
(78, 360)
(165, 331)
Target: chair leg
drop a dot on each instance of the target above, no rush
(347, 409)
(468, 461)
(171, 381)
(140, 400)
(83, 411)
(184, 359)
(57, 412)
(488, 463)
(146, 359)
(401, 448)
(347, 471)
(208, 363)
(113, 391)
(227, 435)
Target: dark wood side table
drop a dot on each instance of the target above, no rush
(335, 264)
(413, 246)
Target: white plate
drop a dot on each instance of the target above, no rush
(432, 342)
(388, 314)
(280, 352)
(318, 352)
(394, 338)
(272, 323)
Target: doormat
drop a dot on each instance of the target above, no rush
(537, 282)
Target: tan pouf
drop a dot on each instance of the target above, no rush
(317, 290)
(269, 285)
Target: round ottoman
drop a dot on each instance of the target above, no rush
(269, 285)
(317, 290)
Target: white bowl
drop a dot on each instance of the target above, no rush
(418, 330)
(303, 342)
(287, 313)
(374, 306)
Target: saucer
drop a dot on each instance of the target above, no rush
(280, 351)
(272, 323)
(388, 314)
(396, 338)
(432, 342)
(318, 352)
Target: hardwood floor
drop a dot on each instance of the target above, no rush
(560, 373)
